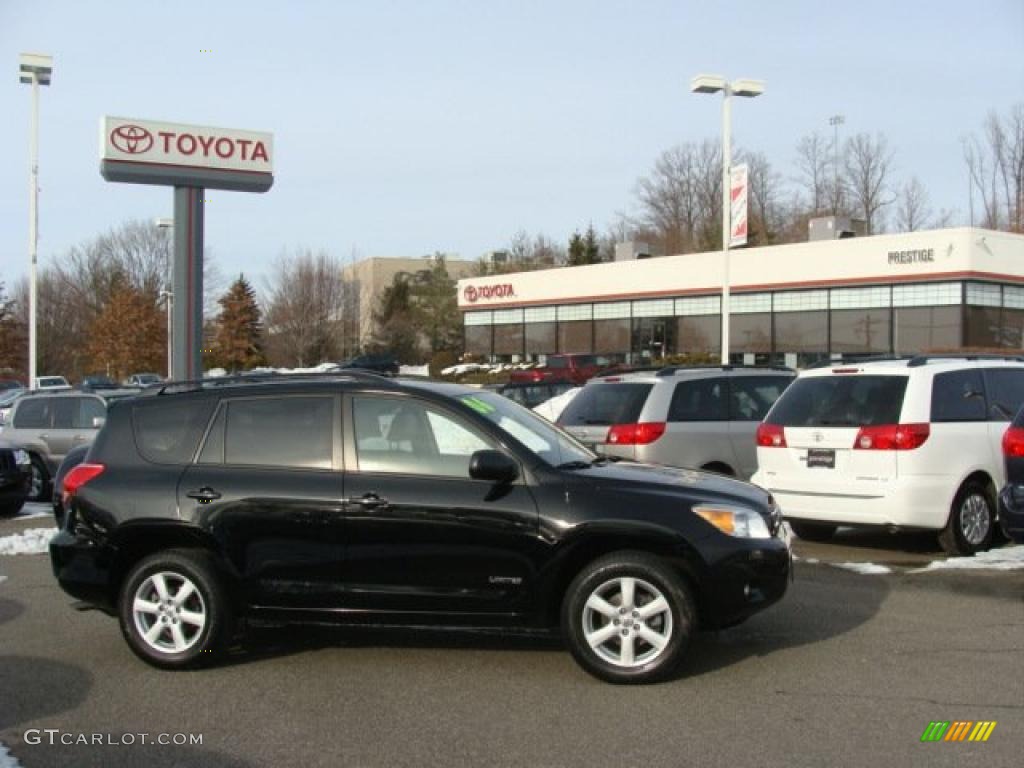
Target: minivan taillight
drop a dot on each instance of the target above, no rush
(891, 437)
(1013, 443)
(78, 477)
(771, 435)
(644, 433)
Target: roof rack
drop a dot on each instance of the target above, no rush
(672, 370)
(195, 385)
(858, 361)
(622, 371)
(919, 360)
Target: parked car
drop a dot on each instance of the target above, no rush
(1011, 497)
(9, 384)
(52, 383)
(531, 394)
(576, 369)
(97, 383)
(369, 500)
(385, 364)
(15, 478)
(7, 398)
(904, 444)
(48, 426)
(143, 379)
(703, 417)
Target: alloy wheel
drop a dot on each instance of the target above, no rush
(627, 622)
(169, 612)
(975, 519)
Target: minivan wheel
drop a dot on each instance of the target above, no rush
(627, 618)
(812, 531)
(39, 482)
(173, 609)
(971, 522)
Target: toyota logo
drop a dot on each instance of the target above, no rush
(131, 139)
(470, 294)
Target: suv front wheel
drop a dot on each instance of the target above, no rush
(627, 618)
(971, 521)
(173, 608)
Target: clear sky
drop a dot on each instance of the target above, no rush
(405, 127)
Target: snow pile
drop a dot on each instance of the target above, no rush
(1003, 559)
(868, 569)
(461, 368)
(414, 370)
(552, 409)
(33, 541)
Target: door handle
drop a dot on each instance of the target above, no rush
(369, 501)
(203, 495)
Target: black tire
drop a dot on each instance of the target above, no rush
(973, 502)
(39, 485)
(813, 531)
(11, 508)
(648, 571)
(209, 598)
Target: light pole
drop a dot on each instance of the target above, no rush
(748, 88)
(168, 297)
(835, 121)
(34, 69)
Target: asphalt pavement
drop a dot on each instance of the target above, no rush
(848, 669)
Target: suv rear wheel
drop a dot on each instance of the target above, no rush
(173, 608)
(627, 618)
(971, 521)
(813, 531)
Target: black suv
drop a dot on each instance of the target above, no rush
(378, 501)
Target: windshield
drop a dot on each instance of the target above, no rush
(551, 444)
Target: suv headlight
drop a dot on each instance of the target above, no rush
(21, 457)
(735, 521)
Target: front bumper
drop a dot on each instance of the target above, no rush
(83, 568)
(1011, 512)
(744, 576)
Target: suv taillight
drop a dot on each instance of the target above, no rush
(1013, 443)
(771, 436)
(78, 477)
(644, 433)
(891, 437)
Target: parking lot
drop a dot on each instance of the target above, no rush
(848, 670)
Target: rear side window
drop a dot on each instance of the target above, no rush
(958, 396)
(753, 396)
(294, 432)
(168, 431)
(700, 400)
(34, 413)
(840, 400)
(91, 408)
(605, 404)
(1005, 387)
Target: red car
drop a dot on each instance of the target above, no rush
(572, 368)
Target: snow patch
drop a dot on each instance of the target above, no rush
(868, 569)
(414, 370)
(1002, 559)
(34, 541)
(552, 409)
(34, 509)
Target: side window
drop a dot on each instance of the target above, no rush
(752, 396)
(699, 400)
(169, 432)
(294, 432)
(90, 408)
(958, 396)
(213, 448)
(33, 413)
(65, 412)
(1005, 387)
(407, 437)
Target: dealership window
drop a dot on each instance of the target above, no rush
(699, 305)
(612, 310)
(612, 337)
(654, 308)
(800, 301)
(751, 334)
(804, 334)
(1012, 322)
(699, 335)
(926, 295)
(982, 327)
(568, 312)
(478, 318)
(748, 303)
(478, 340)
(1013, 297)
(576, 337)
(860, 331)
(853, 298)
(926, 329)
(653, 338)
(984, 295)
(508, 340)
(541, 339)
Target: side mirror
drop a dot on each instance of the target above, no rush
(98, 422)
(494, 466)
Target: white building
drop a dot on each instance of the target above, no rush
(921, 291)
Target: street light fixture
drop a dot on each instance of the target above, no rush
(168, 296)
(34, 69)
(749, 89)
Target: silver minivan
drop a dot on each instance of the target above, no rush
(701, 417)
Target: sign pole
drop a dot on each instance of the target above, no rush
(187, 277)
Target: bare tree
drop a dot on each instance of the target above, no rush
(305, 306)
(995, 167)
(912, 209)
(813, 161)
(867, 164)
(766, 214)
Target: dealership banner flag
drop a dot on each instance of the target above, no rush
(738, 196)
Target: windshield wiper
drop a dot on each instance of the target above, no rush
(574, 465)
(603, 459)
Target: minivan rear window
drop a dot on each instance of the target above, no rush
(840, 401)
(604, 404)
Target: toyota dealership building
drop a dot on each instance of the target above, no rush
(794, 304)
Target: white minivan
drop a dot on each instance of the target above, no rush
(903, 444)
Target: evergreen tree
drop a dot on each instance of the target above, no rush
(396, 322)
(239, 328)
(585, 248)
